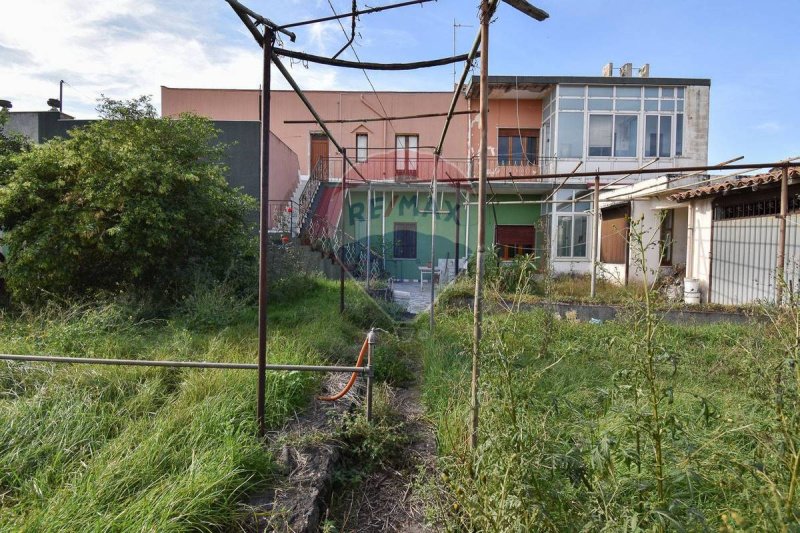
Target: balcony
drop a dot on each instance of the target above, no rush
(410, 167)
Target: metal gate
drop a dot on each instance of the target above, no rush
(744, 256)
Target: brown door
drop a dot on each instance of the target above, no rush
(319, 152)
(614, 235)
(511, 241)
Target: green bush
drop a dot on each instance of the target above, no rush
(516, 276)
(130, 203)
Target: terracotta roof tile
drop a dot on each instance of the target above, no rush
(741, 182)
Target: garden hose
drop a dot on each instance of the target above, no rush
(350, 383)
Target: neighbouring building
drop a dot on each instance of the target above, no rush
(723, 233)
(537, 125)
(243, 140)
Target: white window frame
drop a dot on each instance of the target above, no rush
(677, 113)
(566, 196)
(362, 151)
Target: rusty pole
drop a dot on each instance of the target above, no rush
(780, 263)
(458, 226)
(263, 237)
(434, 212)
(341, 232)
(369, 234)
(595, 233)
(481, 248)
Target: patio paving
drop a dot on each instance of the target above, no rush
(419, 298)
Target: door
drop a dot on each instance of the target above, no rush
(319, 156)
(406, 155)
(614, 235)
(511, 241)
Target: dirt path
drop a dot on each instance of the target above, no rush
(389, 499)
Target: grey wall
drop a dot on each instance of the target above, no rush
(242, 138)
(243, 153)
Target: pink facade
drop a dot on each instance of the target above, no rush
(284, 169)
(507, 116)
(216, 104)
(381, 136)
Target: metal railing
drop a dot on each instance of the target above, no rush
(283, 216)
(326, 237)
(367, 371)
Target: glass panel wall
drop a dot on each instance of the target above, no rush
(603, 121)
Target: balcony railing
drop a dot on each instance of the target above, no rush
(418, 166)
(411, 166)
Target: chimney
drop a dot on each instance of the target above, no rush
(626, 70)
(608, 70)
(644, 71)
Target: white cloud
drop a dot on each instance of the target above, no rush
(770, 126)
(127, 48)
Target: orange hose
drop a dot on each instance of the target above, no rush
(352, 381)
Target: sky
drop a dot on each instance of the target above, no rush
(127, 48)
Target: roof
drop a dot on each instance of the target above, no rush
(740, 182)
(518, 81)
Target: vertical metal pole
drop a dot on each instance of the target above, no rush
(383, 228)
(341, 232)
(478, 305)
(263, 237)
(780, 262)
(434, 212)
(466, 230)
(595, 235)
(371, 339)
(369, 233)
(458, 227)
(61, 96)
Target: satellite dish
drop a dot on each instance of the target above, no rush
(54, 103)
(5, 104)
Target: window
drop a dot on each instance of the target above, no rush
(511, 241)
(406, 156)
(572, 224)
(623, 137)
(600, 135)
(603, 121)
(361, 147)
(625, 129)
(517, 146)
(405, 240)
(570, 134)
(665, 238)
(665, 136)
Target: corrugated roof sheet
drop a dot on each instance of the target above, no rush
(741, 182)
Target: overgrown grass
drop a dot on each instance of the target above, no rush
(567, 439)
(86, 448)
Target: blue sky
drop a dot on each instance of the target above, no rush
(130, 47)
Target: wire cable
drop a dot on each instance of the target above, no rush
(352, 47)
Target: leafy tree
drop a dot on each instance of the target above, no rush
(10, 143)
(130, 203)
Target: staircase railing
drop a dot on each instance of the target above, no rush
(306, 200)
(322, 235)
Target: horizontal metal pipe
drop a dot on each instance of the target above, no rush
(668, 170)
(177, 364)
(379, 119)
(302, 56)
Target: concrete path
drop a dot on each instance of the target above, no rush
(419, 299)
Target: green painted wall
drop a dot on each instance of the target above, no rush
(410, 207)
